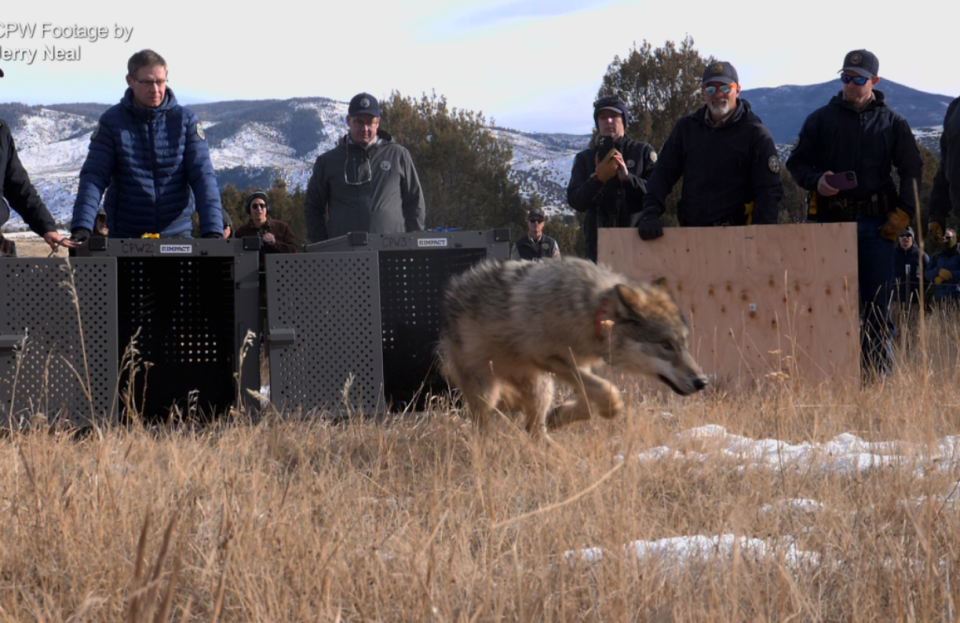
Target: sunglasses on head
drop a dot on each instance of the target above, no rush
(712, 90)
(857, 80)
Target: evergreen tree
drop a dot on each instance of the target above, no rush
(463, 166)
(658, 85)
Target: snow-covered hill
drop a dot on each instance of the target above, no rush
(251, 144)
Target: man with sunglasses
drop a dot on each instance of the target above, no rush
(149, 155)
(726, 157)
(535, 245)
(844, 157)
(366, 183)
(610, 186)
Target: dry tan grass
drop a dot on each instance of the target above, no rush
(423, 518)
(34, 246)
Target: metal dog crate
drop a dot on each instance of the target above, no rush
(186, 305)
(46, 363)
(363, 311)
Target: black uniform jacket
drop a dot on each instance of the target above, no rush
(613, 203)
(17, 189)
(840, 138)
(946, 185)
(723, 169)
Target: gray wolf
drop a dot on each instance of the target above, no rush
(506, 327)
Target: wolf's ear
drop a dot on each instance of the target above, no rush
(662, 283)
(630, 298)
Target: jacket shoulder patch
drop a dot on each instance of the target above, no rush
(199, 130)
(773, 162)
(96, 133)
(653, 156)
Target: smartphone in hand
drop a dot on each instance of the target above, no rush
(842, 181)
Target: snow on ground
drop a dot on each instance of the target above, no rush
(844, 455)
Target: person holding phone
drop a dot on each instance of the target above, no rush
(726, 157)
(844, 157)
(609, 180)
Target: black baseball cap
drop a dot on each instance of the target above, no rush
(364, 104)
(720, 71)
(536, 213)
(862, 62)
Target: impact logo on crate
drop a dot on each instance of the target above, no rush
(178, 249)
(431, 242)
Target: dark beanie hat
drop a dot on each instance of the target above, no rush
(258, 194)
(611, 102)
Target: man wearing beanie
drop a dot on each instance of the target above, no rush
(726, 157)
(844, 157)
(366, 183)
(610, 188)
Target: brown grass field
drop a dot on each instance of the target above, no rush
(423, 518)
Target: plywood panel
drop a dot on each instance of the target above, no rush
(759, 299)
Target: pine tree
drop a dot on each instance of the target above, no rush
(463, 166)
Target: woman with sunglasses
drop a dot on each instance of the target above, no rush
(844, 157)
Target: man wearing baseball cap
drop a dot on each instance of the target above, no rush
(610, 186)
(535, 245)
(21, 195)
(726, 157)
(844, 157)
(366, 183)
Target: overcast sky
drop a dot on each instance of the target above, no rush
(531, 64)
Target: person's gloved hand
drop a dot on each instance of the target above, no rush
(212, 234)
(897, 221)
(650, 226)
(80, 235)
(936, 230)
(608, 167)
(943, 275)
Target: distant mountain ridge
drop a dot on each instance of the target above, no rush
(783, 109)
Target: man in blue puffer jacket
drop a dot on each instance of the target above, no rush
(943, 274)
(147, 154)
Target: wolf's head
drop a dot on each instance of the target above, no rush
(649, 336)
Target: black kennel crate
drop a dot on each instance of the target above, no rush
(353, 323)
(186, 306)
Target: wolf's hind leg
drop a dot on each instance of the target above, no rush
(536, 395)
(482, 393)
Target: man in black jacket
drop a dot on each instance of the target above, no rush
(844, 157)
(610, 190)
(21, 195)
(535, 245)
(726, 157)
(945, 195)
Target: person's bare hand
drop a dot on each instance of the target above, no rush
(55, 240)
(622, 171)
(824, 189)
(269, 238)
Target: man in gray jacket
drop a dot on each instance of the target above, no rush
(366, 183)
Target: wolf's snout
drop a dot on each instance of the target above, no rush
(700, 383)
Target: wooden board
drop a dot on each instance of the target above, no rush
(760, 299)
